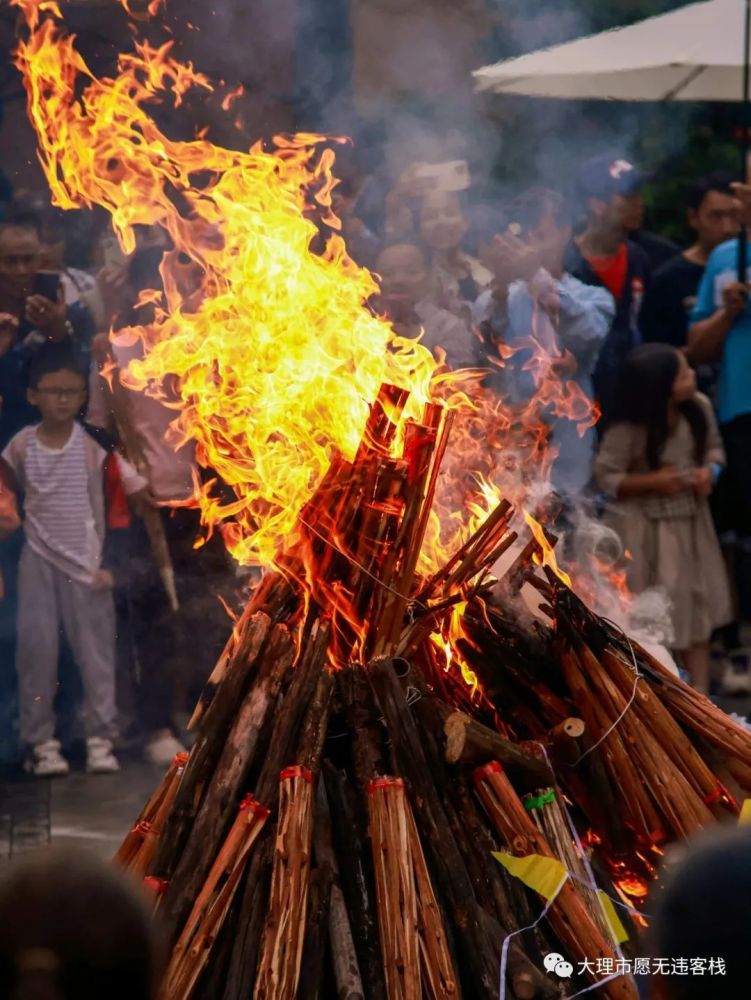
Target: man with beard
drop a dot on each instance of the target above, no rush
(27, 319)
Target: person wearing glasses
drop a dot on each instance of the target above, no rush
(63, 583)
(29, 318)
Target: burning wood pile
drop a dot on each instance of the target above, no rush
(332, 831)
(377, 728)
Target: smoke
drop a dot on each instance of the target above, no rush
(596, 550)
(396, 77)
(600, 567)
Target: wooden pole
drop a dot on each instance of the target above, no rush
(344, 957)
(152, 519)
(230, 777)
(469, 742)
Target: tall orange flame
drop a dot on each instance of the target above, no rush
(274, 356)
(267, 351)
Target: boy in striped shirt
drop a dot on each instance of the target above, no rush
(62, 583)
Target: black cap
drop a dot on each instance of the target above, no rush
(605, 176)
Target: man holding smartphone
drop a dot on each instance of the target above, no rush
(36, 300)
(548, 326)
(32, 311)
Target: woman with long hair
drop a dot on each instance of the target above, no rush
(658, 462)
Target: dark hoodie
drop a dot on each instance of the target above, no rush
(625, 331)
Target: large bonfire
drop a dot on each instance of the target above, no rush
(396, 769)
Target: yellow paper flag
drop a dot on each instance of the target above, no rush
(619, 931)
(745, 817)
(544, 875)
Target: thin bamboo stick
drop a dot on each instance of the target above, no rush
(192, 949)
(396, 891)
(569, 916)
(282, 947)
(439, 978)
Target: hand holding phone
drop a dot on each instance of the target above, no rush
(47, 285)
(735, 298)
(421, 178)
(45, 307)
(8, 331)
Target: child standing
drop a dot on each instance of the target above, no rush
(659, 461)
(62, 583)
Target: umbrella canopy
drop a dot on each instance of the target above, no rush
(695, 53)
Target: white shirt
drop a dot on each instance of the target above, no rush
(59, 517)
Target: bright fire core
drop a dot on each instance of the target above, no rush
(273, 356)
(267, 352)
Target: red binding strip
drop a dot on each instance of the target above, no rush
(297, 771)
(181, 759)
(714, 796)
(142, 826)
(385, 783)
(158, 885)
(480, 773)
(252, 805)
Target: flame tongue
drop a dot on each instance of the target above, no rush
(274, 356)
(266, 351)
(548, 557)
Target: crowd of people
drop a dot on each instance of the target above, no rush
(659, 337)
(100, 654)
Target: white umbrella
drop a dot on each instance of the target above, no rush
(695, 53)
(699, 52)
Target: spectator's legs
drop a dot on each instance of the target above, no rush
(154, 639)
(696, 661)
(37, 647)
(737, 436)
(148, 622)
(88, 618)
(178, 650)
(10, 553)
(203, 575)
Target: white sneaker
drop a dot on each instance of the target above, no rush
(46, 761)
(163, 748)
(736, 679)
(99, 757)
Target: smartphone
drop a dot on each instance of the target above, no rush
(451, 176)
(46, 283)
(112, 253)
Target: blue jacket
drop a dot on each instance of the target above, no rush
(585, 316)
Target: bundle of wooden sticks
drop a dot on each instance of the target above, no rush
(332, 831)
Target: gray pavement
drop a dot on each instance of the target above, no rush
(89, 811)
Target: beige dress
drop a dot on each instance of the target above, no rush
(671, 541)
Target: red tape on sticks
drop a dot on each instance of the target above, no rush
(296, 771)
(384, 782)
